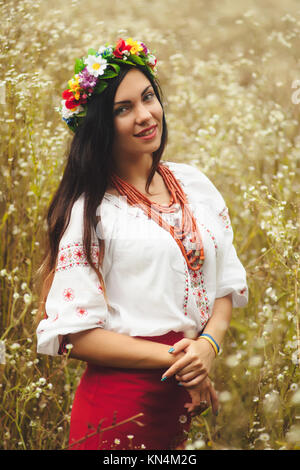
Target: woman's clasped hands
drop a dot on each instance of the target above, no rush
(191, 370)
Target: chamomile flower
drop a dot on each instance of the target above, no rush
(95, 65)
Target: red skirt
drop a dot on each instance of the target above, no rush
(109, 395)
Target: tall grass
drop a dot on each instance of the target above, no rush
(227, 70)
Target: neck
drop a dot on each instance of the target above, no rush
(134, 171)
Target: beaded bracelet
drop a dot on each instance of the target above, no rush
(212, 341)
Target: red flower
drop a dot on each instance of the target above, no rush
(120, 48)
(70, 104)
(67, 94)
(82, 100)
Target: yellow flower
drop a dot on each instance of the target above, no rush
(135, 46)
(74, 84)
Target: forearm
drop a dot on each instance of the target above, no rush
(219, 322)
(108, 348)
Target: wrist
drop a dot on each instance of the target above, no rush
(209, 339)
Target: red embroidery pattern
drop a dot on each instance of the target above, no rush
(224, 214)
(197, 284)
(243, 291)
(186, 292)
(198, 290)
(200, 293)
(73, 255)
(55, 318)
(211, 235)
(81, 312)
(68, 294)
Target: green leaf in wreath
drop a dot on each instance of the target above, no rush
(149, 69)
(79, 65)
(136, 59)
(116, 67)
(109, 74)
(92, 51)
(100, 86)
(119, 61)
(72, 127)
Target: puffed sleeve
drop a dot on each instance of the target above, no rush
(231, 274)
(75, 301)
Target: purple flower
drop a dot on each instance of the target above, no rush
(145, 50)
(87, 80)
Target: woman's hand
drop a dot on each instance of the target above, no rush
(192, 368)
(203, 396)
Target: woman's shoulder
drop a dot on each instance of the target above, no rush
(74, 231)
(187, 170)
(74, 228)
(196, 183)
(190, 174)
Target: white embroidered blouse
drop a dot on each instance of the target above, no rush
(150, 288)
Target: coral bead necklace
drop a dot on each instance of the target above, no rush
(188, 227)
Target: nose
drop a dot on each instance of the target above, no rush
(142, 114)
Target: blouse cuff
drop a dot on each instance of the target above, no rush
(239, 295)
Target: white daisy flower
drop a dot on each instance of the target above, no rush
(95, 65)
(151, 59)
(66, 113)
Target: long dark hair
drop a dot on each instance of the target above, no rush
(88, 170)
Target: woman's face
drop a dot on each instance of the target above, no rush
(136, 108)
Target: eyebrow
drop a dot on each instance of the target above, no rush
(128, 101)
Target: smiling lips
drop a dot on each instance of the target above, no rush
(147, 132)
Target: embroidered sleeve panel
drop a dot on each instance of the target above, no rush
(72, 254)
(225, 218)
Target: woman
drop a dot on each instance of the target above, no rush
(141, 273)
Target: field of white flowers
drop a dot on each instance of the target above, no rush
(230, 72)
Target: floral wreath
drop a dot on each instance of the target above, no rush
(91, 73)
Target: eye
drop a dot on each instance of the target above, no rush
(120, 110)
(149, 96)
